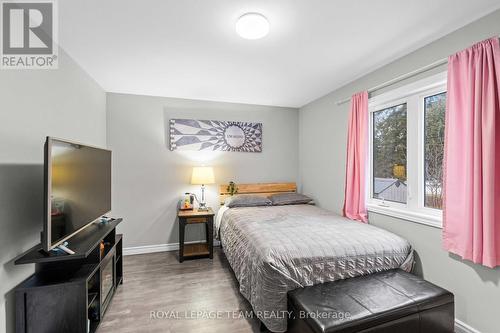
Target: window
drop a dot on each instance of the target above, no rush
(406, 151)
(434, 108)
(389, 154)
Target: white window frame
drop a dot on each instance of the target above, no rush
(413, 95)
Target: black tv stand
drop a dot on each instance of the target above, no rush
(71, 292)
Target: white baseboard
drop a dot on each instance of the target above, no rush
(128, 251)
(461, 327)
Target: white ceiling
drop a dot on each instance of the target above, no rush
(189, 48)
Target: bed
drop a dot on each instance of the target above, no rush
(275, 249)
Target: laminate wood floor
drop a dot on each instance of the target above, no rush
(159, 293)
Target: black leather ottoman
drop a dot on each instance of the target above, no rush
(391, 302)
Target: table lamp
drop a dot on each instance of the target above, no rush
(202, 176)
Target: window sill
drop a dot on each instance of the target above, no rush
(428, 220)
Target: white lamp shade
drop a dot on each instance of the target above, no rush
(202, 176)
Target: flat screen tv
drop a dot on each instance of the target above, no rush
(77, 189)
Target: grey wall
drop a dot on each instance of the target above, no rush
(149, 179)
(65, 103)
(323, 133)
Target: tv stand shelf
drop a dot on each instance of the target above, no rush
(82, 243)
(71, 293)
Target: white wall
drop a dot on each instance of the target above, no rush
(149, 179)
(322, 171)
(64, 103)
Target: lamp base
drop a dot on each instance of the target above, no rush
(203, 207)
(203, 204)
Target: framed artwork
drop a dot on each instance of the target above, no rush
(189, 134)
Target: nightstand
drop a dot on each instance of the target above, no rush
(197, 250)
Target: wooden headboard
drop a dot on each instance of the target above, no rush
(263, 189)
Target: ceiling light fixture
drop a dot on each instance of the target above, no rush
(252, 26)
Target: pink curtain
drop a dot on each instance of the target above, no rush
(471, 213)
(357, 149)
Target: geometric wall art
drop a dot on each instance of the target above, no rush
(189, 134)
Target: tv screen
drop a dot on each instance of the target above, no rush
(77, 188)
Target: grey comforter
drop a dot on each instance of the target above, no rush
(276, 249)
